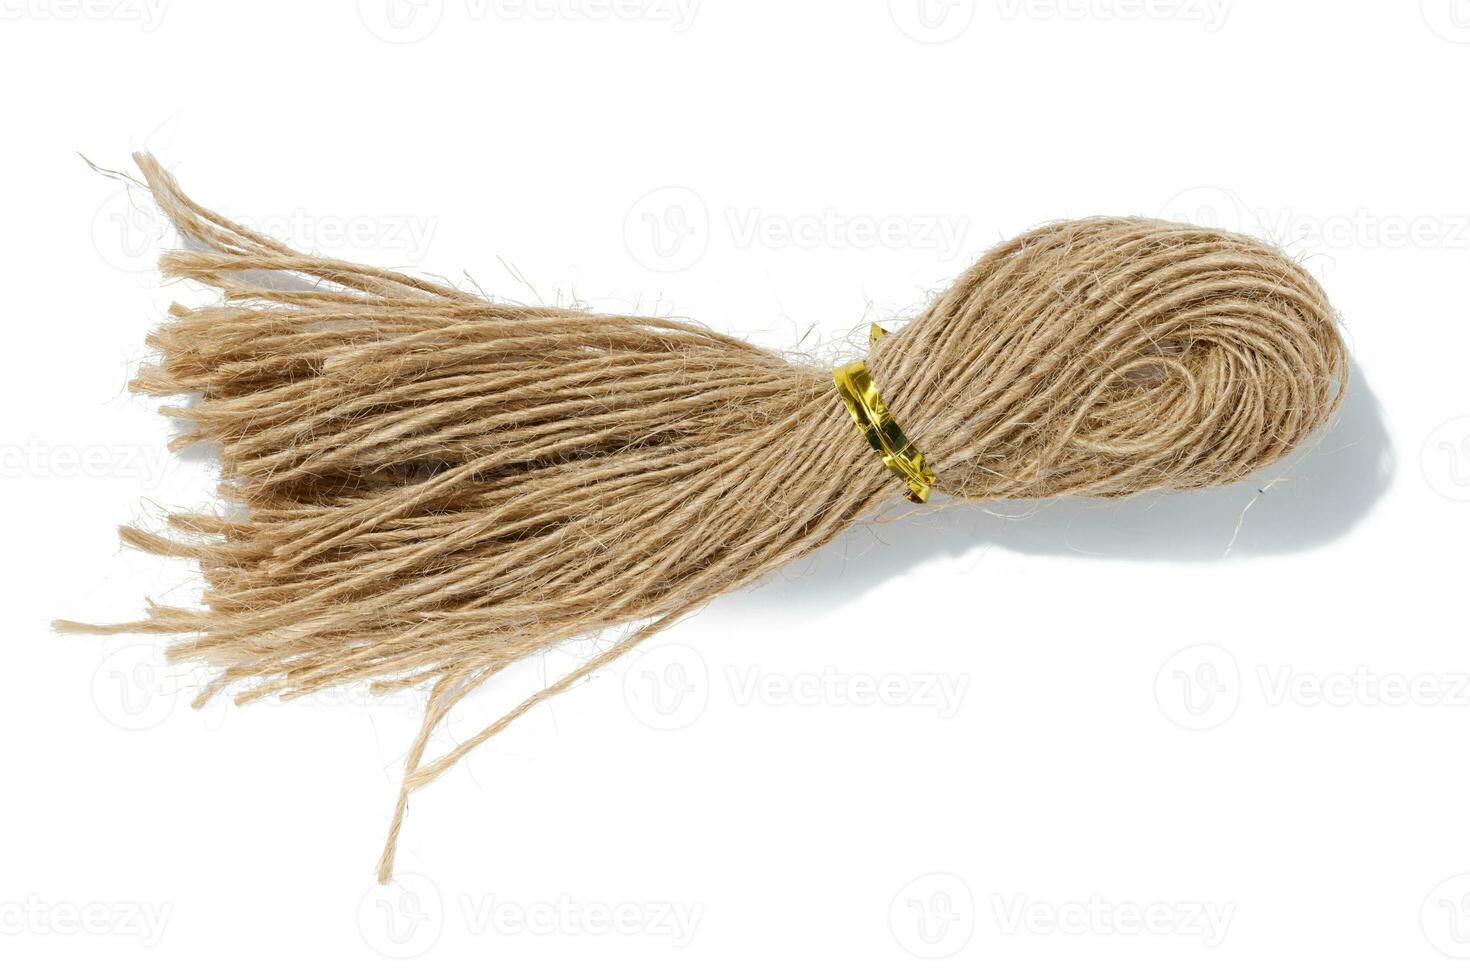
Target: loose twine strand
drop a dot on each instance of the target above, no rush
(425, 486)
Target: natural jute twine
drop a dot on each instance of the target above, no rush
(430, 485)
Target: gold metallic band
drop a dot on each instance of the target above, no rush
(860, 395)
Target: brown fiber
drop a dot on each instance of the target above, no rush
(431, 485)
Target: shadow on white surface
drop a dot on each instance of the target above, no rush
(1307, 500)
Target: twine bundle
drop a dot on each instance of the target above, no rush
(430, 485)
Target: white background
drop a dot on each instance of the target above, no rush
(1109, 742)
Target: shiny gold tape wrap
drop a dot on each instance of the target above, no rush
(866, 407)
